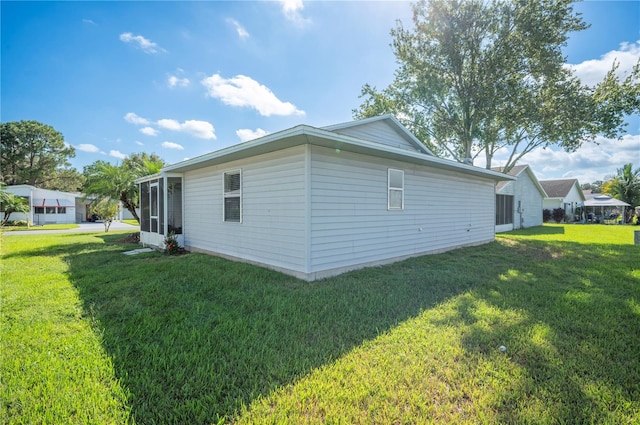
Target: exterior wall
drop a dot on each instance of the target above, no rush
(551, 203)
(351, 226)
(527, 194)
(273, 227)
(379, 132)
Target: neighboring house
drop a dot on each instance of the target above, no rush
(48, 206)
(315, 202)
(519, 202)
(565, 194)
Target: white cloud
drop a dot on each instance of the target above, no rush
(169, 124)
(292, 10)
(149, 131)
(87, 147)
(242, 32)
(246, 134)
(244, 91)
(171, 145)
(135, 119)
(117, 154)
(199, 129)
(142, 43)
(174, 81)
(589, 163)
(139, 143)
(88, 21)
(591, 72)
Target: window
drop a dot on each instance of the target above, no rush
(504, 209)
(50, 210)
(233, 196)
(396, 189)
(62, 210)
(39, 210)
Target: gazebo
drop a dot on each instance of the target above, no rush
(603, 209)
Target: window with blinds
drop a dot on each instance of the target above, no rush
(233, 196)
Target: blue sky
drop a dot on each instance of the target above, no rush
(181, 79)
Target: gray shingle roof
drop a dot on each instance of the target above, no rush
(558, 188)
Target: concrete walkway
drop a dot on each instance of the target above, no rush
(84, 228)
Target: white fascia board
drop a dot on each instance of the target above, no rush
(303, 134)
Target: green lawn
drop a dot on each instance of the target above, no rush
(43, 227)
(89, 335)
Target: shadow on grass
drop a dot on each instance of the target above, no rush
(194, 338)
(555, 229)
(574, 332)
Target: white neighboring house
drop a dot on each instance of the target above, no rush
(519, 202)
(47, 206)
(316, 202)
(565, 194)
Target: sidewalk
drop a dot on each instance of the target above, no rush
(84, 228)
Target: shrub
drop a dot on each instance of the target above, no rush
(171, 245)
(546, 215)
(558, 215)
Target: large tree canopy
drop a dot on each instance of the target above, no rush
(479, 76)
(116, 182)
(33, 153)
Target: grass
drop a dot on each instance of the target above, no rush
(93, 336)
(131, 221)
(43, 227)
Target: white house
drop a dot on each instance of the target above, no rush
(47, 206)
(315, 202)
(519, 202)
(565, 194)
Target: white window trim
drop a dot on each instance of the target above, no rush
(226, 195)
(395, 189)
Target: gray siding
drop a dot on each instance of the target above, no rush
(379, 132)
(273, 226)
(531, 203)
(350, 223)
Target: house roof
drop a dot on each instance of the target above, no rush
(560, 188)
(304, 134)
(516, 171)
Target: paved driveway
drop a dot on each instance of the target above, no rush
(84, 228)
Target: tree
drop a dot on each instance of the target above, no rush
(107, 210)
(625, 186)
(32, 153)
(480, 76)
(11, 204)
(105, 180)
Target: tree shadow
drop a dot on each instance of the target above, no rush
(194, 338)
(575, 337)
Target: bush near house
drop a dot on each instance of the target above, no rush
(546, 215)
(558, 215)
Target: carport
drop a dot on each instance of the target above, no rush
(604, 209)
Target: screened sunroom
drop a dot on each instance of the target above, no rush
(160, 208)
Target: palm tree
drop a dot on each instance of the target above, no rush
(108, 181)
(11, 204)
(625, 186)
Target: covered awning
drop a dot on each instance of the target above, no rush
(53, 202)
(603, 201)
